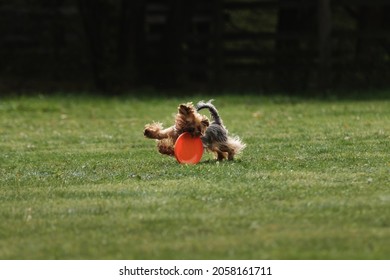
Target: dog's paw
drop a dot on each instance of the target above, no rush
(151, 130)
(148, 133)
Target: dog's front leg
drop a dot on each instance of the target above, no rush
(156, 131)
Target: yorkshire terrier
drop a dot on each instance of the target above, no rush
(216, 138)
(186, 120)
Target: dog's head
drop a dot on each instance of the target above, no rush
(189, 120)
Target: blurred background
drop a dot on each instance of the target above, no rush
(113, 46)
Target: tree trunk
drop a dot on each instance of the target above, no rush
(324, 44)
(91, 12)
(296, 24)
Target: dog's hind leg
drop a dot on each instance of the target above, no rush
(166, 146)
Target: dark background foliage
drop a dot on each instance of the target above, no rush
(113, 46)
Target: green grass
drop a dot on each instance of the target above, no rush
(79, 181)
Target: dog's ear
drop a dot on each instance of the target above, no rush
(185, 109)
(205, 121)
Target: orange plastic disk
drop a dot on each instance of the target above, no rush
(188, 149)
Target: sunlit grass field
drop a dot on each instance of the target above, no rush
(79, 181)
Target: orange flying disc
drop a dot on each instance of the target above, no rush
(188, 149)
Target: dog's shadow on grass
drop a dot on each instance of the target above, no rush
(222, 162)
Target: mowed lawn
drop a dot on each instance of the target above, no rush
(79, 181)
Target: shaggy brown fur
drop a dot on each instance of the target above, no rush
(186, 120)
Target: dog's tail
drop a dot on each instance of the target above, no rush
(213, 111)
